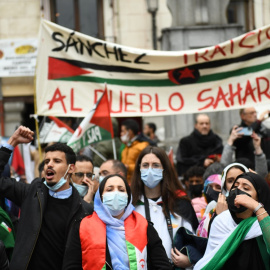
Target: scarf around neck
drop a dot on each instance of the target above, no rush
(205, 141)
(224, 228)
(115, 232)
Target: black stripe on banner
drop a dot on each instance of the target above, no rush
(206, 65)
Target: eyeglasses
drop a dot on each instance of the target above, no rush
(153, 166)
(80, 175)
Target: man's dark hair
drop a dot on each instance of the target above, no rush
(82, 158)
(131, 124)
(62, 147)
(194, 171)
(152, 126)
(119, 166)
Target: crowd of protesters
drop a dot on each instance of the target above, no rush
(207, 211)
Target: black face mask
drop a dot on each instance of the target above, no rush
(230, 200)
(196, 190)
(211, 194)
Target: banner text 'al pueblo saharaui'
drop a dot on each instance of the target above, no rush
(72, 69)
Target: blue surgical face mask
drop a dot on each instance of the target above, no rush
(82, 189)
(227, 193)
(151, 177)
(59, 184)
(101, 178)
(115, 201)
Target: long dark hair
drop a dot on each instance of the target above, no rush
(169, 184)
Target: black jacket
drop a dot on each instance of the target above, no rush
(32, 198)
(3, 257)
(195, 148)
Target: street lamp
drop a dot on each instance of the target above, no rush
(152, 7)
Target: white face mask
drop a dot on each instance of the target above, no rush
(101, 178)
(151, 177)
(125, 138)
(115, 201)
(82, 189)
(59, 184)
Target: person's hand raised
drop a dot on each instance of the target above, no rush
(234, 134)
(221, 204)
(21, 135)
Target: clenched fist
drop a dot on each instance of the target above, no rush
(21, 135)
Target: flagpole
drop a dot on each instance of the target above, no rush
(36, 120)
(96, 152)
(114, 149)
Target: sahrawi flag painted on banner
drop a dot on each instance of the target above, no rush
(72, 68)
(95, 127)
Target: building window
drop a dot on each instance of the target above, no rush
(85, 16)
(241, 12)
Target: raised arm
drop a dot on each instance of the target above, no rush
(9, 187)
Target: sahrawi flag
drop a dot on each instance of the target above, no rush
(55, 131)
(95, 127)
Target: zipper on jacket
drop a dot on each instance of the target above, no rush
(108, 264)
(37, 233)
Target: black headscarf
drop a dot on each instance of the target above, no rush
(247, 255)
(260, 185)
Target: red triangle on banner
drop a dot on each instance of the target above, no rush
(60, 69)
(101, 116)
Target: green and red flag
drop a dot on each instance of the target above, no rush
(55, 131)
(73, 67)
(95, 127)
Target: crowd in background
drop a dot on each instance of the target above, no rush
(207, 210)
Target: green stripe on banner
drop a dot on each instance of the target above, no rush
(104, 267)
(167, 82)
(233, 73)
(124, 82)
(132, 256)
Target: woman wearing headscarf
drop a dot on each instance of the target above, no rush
(212, 189)
(159, 196)
(240, 237)
(115, 236)
(228, 177)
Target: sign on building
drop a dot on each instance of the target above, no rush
(18, 57)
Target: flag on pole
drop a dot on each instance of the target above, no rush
(55, 131)
(61, 124)
(17, 162)
(95, 127)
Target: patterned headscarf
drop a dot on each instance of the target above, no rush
(212, 179)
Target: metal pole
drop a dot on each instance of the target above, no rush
(154, 29)
(2, 117)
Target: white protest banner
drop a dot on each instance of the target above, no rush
(72, 69)
(18, 57)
